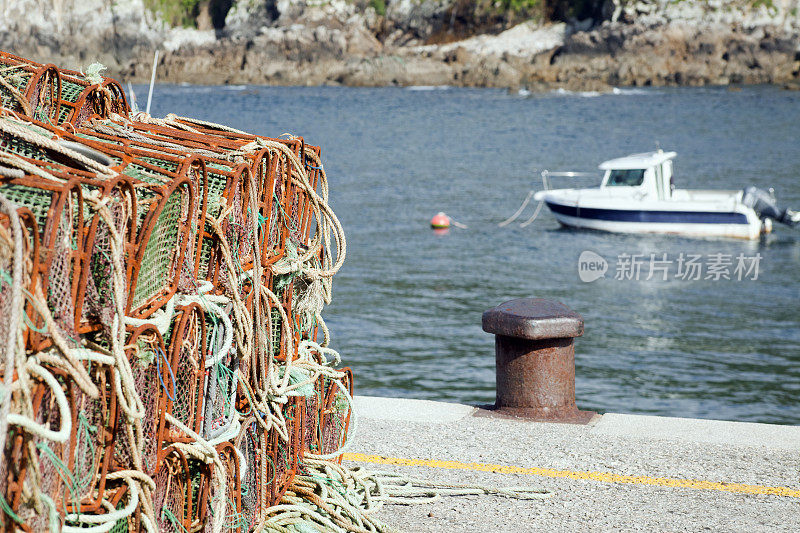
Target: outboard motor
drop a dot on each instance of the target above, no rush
(765, 206)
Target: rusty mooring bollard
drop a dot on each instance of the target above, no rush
(535, 357)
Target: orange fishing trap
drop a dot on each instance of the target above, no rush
(161, 289)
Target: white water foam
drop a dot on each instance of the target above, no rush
(591, 94)
(428, 88)
(583, 94)
(628, 91)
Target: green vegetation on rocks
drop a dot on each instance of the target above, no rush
(175, 12)
(379, 6)
(517, 6)
(200, 14)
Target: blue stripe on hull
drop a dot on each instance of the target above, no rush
(625, 215)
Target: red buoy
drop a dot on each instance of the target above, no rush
(440, 221)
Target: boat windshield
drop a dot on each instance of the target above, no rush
(626, 177)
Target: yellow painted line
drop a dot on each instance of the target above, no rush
(604, 477)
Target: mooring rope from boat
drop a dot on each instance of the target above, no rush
(518, 212)
(531, 193)
(533, 216)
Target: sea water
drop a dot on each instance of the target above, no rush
(406, 312)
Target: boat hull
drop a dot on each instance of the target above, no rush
(688, 223)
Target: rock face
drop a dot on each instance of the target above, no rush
(383, 42)
(77, 32)
(676, 54)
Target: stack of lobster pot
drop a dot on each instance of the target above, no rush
(164, 363)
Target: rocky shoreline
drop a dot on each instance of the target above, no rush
(342, 42)
(610, 56)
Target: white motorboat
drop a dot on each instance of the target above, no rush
(637, 195)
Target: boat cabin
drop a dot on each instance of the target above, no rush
(650, 173)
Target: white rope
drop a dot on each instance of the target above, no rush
(17, 129)
(518, 212)
(62, 435)
(202, 449)
(403, 490)
(15, 311)
(533, 216)
(107, 520)
(13, 173)
(230, 433)
(206, 302)
(160, 319)
(24, 166)
(241, 329)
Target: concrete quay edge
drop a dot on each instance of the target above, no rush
(695, 430)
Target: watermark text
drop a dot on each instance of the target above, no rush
(663, 267)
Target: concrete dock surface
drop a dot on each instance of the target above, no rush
(618, 473)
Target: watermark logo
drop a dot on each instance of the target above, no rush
(591, 266)
(662, 267)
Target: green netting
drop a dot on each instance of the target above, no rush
(196, 469)
(144, 200)
(158, 262)
(63, 114)
(205, 258)
(171, 166)
(71, 91)
(216, 188)
(37, 200)
(18, 80)
(15, 145)
(145, 174)
(86, 458)
(10, 72)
